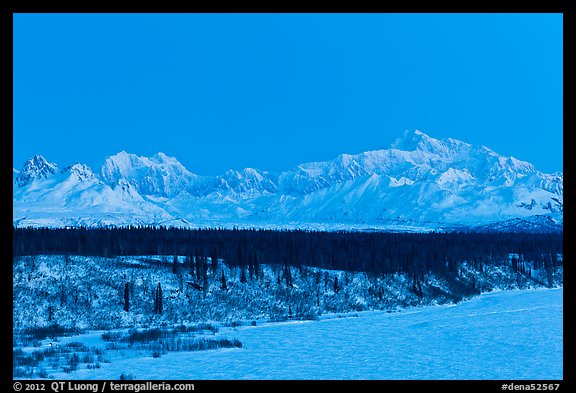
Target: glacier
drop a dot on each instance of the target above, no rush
(418, 183)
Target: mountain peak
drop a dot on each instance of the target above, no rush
(82, 171)
(159, 174)
(411, 140)
(120, 156)
(414, 140)
(163, 157)
(38, 161)
(36, 167)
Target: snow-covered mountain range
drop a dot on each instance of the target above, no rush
(418, 183)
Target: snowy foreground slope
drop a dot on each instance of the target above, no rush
(510, 335)
(321, 324)
(505, 335)
(418, 183)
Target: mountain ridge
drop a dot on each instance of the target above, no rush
(419, 182)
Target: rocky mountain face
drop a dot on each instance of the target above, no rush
(35, 168)
(418, 183)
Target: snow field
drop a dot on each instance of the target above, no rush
(503, 335)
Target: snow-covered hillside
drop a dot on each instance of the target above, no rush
(70, 293)
(418, 182)
(88, 292)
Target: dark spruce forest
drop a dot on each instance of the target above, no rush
(377, 253)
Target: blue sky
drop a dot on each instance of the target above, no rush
(222, 91)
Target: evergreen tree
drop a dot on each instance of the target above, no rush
(126, 297)
(198, 260)
(175, 264)
(251, 267)
(204, 268)
(205, 277)
(192, 266)
(288, 275)
(240, 257)
(419, 289)
(214, 261)
(256, 265)
(223, 284)
(158, 306)
(515, 264)
(336, 286)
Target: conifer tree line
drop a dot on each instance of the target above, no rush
(374, 252)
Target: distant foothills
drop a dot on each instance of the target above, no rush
(417, 184)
